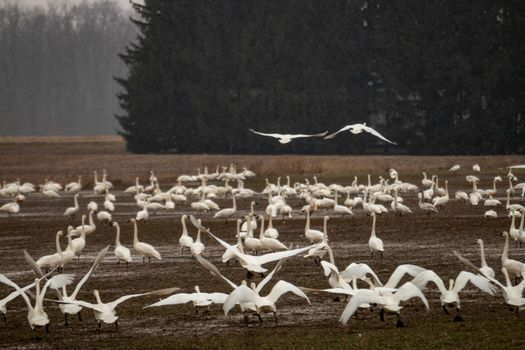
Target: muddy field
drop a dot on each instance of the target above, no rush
(417, 239)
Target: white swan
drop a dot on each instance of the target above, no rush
(197, 247)
(514, 267)
(341, 209)
(399, 208)
(286, 138)
(144, 249)
(314, 236)
(228, 212)
(198, 299)
(250, 262)
(271, 232)
(454, 168)
(374, 243)
(450, 296)
(36, 316)
(427, 207)
(121, 252)
(485, 269)
(185, 241)
(245, 294)
(271, 244)
(105, 312)
(72, 211)
(74, 187)
(250, 242)
(359, 128)
(388, 301)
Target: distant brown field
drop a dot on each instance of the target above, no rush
(62, 158)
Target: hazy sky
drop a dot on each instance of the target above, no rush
(124, 3)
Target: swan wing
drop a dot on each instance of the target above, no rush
(331, 290)
(213, 270)
(283, 287)
(481, 282)
(241, 294)
(180, 298)
(268, 277)
(360, 297)
(331, 136)
(329, 268)
(376, 134)
(277, 136)
(122, 299)
(15, 294)
(359, 271)
(422, 279)
(96, 262)
(409, 291)
(401, 271)
(8, 282)
(266, 258)
(294, 136)
(469, 263)
(82, 303)
(216, 298)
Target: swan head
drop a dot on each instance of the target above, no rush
(197, 289)
(60, 233)
(479, 241)
(505, 234)
(114, 224)
(253, 286)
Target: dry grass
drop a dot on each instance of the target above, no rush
(62, 158)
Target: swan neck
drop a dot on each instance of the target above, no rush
(135, 232)
(482, 253)
(117, 239)
(261, 234)
(184, 229)
(59, 249)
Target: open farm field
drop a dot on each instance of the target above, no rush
(418, 238)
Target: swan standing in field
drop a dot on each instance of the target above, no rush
(53, 260)
(359, 128)
(92, 206)
(245, 294)
(427, 207)
(389, 301)
(226, 213)
(11, 207)
(341, 209)
(513, 294)
(442, 200)
(197, 247)
(72, 211)
(490, 214)
(185, 241)
(108, 204)
(485, 269)
(198, 299)
(105, 312)
(514, 267)
(476, 168)
(450, 297)
(399, 208)
(77, 244)
(454, 168)
(74, 187)
(142, 215)
(271, 232)
(287, 138)
(36, 316)
(144, 249)
(314, 236)
(375, 243)
(271, 244)
(121, 252)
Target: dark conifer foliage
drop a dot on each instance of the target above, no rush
(438, 77)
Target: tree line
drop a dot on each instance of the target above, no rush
(57, 66)
(438, 77)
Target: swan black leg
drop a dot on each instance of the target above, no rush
(458, 317)
(399, 323)
(382, 315)
(116, 325)
(260, 318)
(99, 326)
(445, 309)
(47, 328)
(79, 316)
(275, 317)
(65, 321)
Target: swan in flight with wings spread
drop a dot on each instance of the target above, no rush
(359, 128)
(287, 138)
